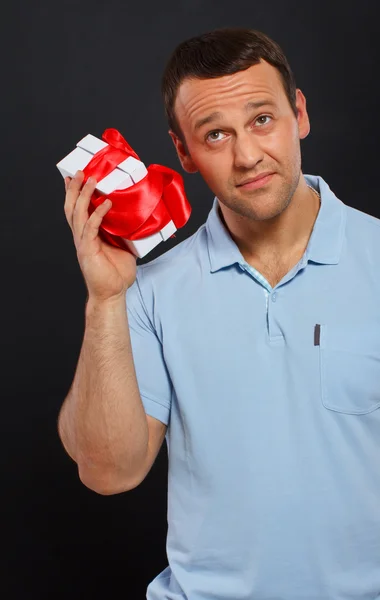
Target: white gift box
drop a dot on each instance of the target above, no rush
(126, 174)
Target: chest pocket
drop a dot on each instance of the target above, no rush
(350, 368)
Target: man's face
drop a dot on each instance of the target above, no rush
(237, 127)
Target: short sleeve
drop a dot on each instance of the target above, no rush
(152, 375)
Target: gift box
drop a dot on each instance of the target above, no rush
(141, 206)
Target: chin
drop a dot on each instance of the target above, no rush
(256, 208)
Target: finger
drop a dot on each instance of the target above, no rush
(72, 194)
(91, 228)
(80, 213)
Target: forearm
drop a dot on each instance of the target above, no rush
(102, 423)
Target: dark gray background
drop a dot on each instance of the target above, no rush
(75, 67)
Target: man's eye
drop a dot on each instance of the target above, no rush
(263, 117)
(213, 136)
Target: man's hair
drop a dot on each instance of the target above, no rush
(218, 53)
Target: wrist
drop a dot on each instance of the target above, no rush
(105, 304)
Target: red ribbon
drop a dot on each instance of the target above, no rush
(142, 209)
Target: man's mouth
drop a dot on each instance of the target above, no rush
(252, 183)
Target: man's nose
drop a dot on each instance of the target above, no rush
(247, 151)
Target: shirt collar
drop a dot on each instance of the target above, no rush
(325, 243)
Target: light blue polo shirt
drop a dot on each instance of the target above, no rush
(272, 400)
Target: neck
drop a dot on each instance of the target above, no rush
(284, 235)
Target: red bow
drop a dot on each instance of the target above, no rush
(142, 209)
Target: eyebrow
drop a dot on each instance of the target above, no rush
(217, 115)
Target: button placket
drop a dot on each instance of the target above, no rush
(274, 331)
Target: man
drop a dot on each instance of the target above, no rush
(253, 347)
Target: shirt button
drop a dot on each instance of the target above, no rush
(274, 296)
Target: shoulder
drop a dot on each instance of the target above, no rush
(168, 273)
(361, 225)
(176, 261)
(362, 245)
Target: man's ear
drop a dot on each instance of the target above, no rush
(183, 155)
(303, 117)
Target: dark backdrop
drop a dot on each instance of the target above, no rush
(75, 67)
